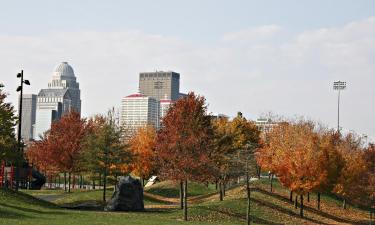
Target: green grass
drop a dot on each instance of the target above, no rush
(172, 190)
(266, 208)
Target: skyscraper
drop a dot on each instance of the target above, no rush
(28, 116)
(160, 84)
(138, 110)
(61, 96)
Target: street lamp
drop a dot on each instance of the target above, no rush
(339, 86)
(20, 89)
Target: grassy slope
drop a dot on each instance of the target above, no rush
(171, 190)
(266, 208)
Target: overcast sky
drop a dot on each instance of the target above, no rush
(249, 56)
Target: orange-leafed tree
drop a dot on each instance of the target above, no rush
(293, 153)
(183, 146)
(142, 147)
(351, 181)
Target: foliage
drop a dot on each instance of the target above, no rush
(8, 142)
(142, 146)
(183, 145)
(61, 147)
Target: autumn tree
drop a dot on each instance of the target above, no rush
(142, 146)
(60, 148)
(183, 146)
(350, 183)
(104, 152)
(222, 151)
(294, 155)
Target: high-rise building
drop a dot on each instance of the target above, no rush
(164, 105)
(158, 84)
(139, 110)
(61, 96)
(28, 116)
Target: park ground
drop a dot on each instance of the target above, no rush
(162, 207)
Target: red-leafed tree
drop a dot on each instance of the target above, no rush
(183, 145)
(62, 144)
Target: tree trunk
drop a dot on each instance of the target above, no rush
(216, 185)
(65, 181)
(301, 207)
(181, 194)
(271, 182)
(344, 204)
(308, 196)
(318, 200)
(291, 196)
(185, 200)
(93, 184)
(248, 198)
(296, 202)
(69, 182)
(220, 191)
(223, 188)
(104, 184)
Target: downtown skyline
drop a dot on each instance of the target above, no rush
(268, 64)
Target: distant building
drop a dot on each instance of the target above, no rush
(158, 84)
(265, 125)
(164, 105)
(61, 96)
(28, 116)
(138, 110)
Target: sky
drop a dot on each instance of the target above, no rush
(250, 56)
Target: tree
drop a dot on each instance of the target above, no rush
(8, 142)
(104, 152)
(293, 153)
(246, 139)
(350, 183)
(222, 151)
(60, 148)
(183, 146)
(142, 146)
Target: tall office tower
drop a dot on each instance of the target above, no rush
(28, 116)
(63, 78)
(61, 96)
(138, 110)
(158, 84)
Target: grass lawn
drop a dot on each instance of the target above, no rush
(266, 208)
(172, 190)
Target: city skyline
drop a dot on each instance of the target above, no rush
(283, 61)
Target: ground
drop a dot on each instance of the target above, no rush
(161, 202)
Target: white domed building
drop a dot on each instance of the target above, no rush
(62, 95)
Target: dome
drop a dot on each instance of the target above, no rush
(63, 69)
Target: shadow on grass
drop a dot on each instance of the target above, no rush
(9, 214)
(241, 216)
(24, 209)
(307, 208)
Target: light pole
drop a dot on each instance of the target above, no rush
(339, 86)
(20, 148)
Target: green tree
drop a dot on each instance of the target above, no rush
(8, 142)
(104, 152)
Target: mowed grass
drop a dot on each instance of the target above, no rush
(171, 189)
(266, 208)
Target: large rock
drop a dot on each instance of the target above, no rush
(38, 180)
(127, 197)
